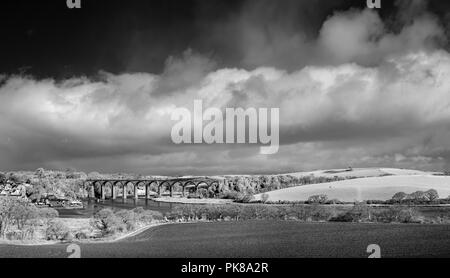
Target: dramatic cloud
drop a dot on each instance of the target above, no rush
(350, 36)
(364, 96)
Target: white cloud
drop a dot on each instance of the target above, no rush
(402, 102)
(354, 36)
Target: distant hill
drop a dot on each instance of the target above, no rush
(360, 172)
(372, 188)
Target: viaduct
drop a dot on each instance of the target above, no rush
(151, 185)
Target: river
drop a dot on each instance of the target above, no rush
(91, 207)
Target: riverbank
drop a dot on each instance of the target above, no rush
(187, 201)
(73, 224)
(80, 225)
(122, 224)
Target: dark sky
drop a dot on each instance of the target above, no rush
(45, 39)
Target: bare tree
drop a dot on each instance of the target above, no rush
(432, 195)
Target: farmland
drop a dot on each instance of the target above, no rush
(263, 239)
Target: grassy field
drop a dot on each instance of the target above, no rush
(261, 239)
(373, 188)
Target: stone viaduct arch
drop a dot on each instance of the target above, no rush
(160, 185)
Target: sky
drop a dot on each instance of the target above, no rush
(94, 88)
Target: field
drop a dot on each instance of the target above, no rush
(361, 172)
(373, 188)
(262, 239)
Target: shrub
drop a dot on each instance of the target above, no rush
(94, 175)
(16, 212)
(139, 210)
(344, 217)
(17, 178)
(248, 212)
(398, 214)
(25, 234)
(431, 195)
(301, 213)
(318, 199)
(107, 222)
(68, 236)
(417, 196)
(47, 214)
(308, 213)
(283, 213)
(81, 235)
(321, 213)
(213, 212)
(359, 213)
(400, 196)
(244, 198)
(147, 216)
(57, 230)
(40, 173)
(22, 212)
(267, 212)
(128, 217)
(232, 211)
(179, 212)
(3, 179)
(334, 202)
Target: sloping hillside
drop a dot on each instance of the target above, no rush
(374, 188)
(360, 172)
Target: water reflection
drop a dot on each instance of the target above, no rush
(91, 207)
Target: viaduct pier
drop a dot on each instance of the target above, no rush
(119, 187)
